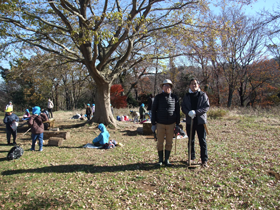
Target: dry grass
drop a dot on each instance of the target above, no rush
(243, 149)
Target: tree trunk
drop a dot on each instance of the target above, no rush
(241, 95)
(56, 97)
(102, 105)
(218, 90)
(155, 87)
(230, 95)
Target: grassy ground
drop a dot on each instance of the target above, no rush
(243, 146)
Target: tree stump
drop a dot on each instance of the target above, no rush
(147, 128)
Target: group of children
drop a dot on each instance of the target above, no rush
(142, 114)
(37, 119)
(90, 111)
(35, 122)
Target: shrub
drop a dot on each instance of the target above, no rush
(217, 113)
(131, 101)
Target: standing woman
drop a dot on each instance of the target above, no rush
(195, 105)
(50, 107)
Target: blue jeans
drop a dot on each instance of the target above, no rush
(34, 138)
(150, 113)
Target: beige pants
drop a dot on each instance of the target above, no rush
(165, 130)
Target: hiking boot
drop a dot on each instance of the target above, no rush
(14, 143)
(160, 158)
(166, 162)
(204, 164)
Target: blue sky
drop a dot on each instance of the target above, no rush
(262, 4)
(258, 6)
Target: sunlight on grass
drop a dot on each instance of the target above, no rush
(242, 147)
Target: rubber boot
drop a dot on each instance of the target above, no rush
(160, 157)
(166, 162)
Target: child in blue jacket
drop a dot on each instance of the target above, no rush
(11, 127)
(103, 137)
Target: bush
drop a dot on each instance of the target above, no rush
(217, 113)
(131, 101)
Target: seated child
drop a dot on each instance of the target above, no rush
(26, 115)
(103, 137)
(134, 115)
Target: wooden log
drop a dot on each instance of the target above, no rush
(49, 124)
(61, 134)
(55, 141)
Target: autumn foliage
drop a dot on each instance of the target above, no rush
(117, 99)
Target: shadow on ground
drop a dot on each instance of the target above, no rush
(42, 202)
(130, 132)
(89, 168)
(77, 125)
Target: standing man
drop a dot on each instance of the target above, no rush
(165, 116)
(50, 107)
(195, 105)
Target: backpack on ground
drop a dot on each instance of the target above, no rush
(15, 153)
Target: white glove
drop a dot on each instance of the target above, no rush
(192, 114)
(153, 128)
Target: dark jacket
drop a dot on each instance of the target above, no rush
(150, 103)
(88, 111)
(36, 123)
(166, 109)
(8, 120)
(202, 107)
(142, 110)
